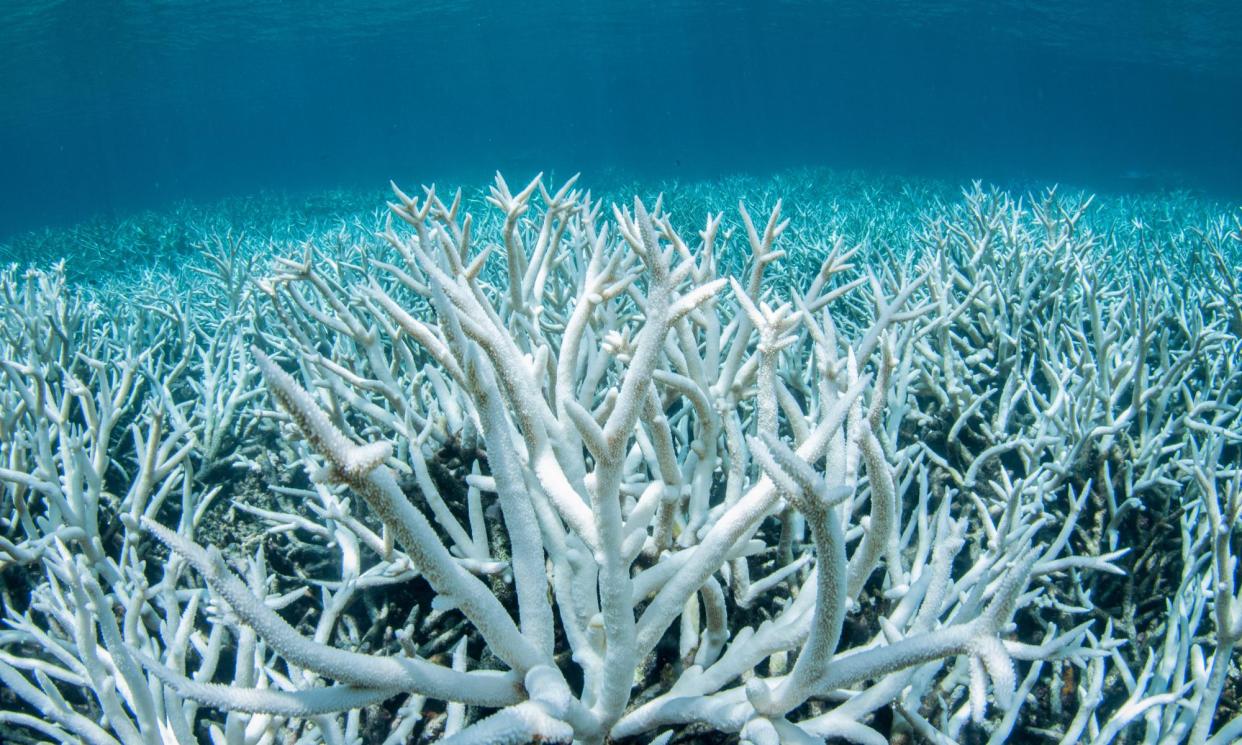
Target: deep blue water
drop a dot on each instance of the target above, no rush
(110, 106)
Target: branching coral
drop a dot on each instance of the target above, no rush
(765, 481)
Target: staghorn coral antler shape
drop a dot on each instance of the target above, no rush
(872, 467)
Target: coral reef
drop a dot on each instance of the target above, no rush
(888, 464)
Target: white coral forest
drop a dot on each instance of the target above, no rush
(895, 467)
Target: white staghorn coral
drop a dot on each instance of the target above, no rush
(598, 481)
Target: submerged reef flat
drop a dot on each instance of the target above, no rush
(817, 457)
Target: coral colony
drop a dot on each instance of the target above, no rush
(877, 463)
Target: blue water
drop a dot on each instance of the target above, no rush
(111, 106)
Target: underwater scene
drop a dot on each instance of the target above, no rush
(678, 372)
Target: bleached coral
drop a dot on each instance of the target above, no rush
(767, 480)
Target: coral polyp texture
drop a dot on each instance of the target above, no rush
(881, 462)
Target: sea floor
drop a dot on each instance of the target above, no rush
(1093, 341)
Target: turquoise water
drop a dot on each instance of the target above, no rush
(878, 376)
(114, 107)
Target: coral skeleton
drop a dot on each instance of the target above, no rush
(521, 467)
